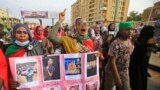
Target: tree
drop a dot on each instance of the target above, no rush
(134, 16)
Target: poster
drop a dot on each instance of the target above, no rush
(34, 14)
(56, 72)
(92, 86)
(75, 87)
(51, 68)
(72, 63)
(92, 65)
(52, 88)
(26, 72)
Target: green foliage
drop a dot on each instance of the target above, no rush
(134, 16)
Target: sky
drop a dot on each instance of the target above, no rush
(15, 6)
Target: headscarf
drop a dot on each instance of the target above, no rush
(146, 33)
(14, 31)
(14, 48)
(36, 36)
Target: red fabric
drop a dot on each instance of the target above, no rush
(4, 70)
(36, 36)
(45, 33)
(89, 43)
(19, 53)
(60, 33)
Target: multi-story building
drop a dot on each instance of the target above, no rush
(6, 20)
(156, 11)
(99, 10)
(152, 12)
(3, 13)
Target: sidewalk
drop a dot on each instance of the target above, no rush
(154, 62)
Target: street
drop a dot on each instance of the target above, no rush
(154, 80)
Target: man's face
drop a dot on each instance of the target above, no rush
(82, 27)
(126, 33)
(50, 61)
(21, 34)
(97, 29)
(47, 29)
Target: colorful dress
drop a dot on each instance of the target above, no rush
(122, 53)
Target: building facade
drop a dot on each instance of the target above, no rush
(99, 10)
(6, 20)
(155, 15)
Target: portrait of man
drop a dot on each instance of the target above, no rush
(91, 65)
(51, 68)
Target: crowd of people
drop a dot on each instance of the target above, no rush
(123, 55)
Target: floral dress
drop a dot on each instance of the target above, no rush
(122, 52)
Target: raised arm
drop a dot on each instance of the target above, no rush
(52, 34)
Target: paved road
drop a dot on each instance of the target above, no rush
(154, 81)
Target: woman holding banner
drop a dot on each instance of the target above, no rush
(25, 45)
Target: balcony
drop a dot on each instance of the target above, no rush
(103, 8)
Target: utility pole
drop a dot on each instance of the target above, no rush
(150, 14)
(116, 10)
(52, 21)
(7, 19)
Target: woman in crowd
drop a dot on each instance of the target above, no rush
(46, 31)
(47, 45)
(119, 55)
(80, 43)
(23, 45)
(98, 41)
(140, 58)
(38, 33)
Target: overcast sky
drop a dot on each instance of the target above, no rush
(14, 7)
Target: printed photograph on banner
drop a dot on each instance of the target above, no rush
(75, 87)
(27, 72)
(51, 68)
(91, 65)
(72, 65)
(92, 86)
(52, 88)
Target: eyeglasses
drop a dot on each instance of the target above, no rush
(21, 32)
(81, 23)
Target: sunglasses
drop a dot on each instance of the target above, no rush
(81, 23)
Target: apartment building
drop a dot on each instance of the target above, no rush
(3, 13)
(153, 12)
(6, 19)
(99, 10)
